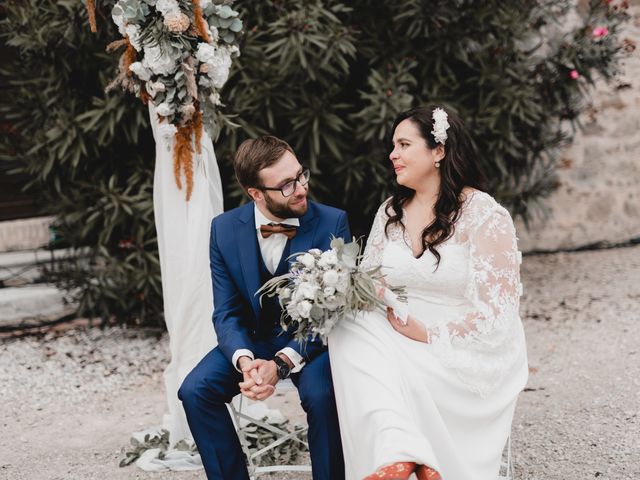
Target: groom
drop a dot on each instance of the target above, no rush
(250, 245)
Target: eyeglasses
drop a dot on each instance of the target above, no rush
(289, 188)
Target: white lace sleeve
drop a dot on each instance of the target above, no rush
(486, 341)
(376, 241)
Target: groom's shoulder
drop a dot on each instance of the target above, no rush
(326, 211)
(230, 216)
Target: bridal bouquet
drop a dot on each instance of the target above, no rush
(323, 287)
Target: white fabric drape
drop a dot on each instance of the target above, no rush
(183, 242)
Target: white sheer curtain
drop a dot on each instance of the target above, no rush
(183, 242)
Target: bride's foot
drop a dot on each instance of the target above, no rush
(395, 471)
(427, 473)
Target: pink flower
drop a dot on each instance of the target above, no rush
(574, 74)
(600, 32)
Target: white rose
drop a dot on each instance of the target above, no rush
(307, 260)
(304, 309)
(330, 278)
(166, 6)
(164, 109)
(328, 291)
(142, 72)
(167, 130)
(315, 251)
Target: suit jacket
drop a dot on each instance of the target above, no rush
(235, 272)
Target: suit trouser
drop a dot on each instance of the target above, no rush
(214, 382)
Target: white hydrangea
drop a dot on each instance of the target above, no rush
(304, 309)
(315, 251)
(166, 6)
(219, 67)
(218, 62)
(140, 71)
(164, 109)
(167, 131)
(159, 62)
(205, 52)
(133, 32)
(330, 278)
(307, 290)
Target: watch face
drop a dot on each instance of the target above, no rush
(283, 369)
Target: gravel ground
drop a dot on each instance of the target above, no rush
(71, 399)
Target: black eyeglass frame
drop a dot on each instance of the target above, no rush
(305, 173)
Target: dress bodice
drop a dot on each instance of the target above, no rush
(444, 285)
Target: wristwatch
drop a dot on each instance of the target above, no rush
(283, 368)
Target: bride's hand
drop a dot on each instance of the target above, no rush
(414, 329)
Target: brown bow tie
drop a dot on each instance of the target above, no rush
(288, 230)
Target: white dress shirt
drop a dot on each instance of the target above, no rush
(271, 249)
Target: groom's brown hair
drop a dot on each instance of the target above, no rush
(255, 154)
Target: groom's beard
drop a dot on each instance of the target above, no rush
(286, 210)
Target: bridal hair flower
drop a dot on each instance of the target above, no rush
(440, 125)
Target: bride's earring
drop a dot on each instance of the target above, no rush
(438, 164)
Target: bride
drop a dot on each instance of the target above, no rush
(436, 395)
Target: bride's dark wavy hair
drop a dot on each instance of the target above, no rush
(458, 169)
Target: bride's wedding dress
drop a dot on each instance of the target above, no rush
(448, 404)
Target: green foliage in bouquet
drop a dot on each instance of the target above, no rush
(326, 75)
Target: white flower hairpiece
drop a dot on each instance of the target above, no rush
(440, 125)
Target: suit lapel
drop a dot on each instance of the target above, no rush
(248, 255)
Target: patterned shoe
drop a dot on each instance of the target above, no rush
(427, 473)
(395, 471)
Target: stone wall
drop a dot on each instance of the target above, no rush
(599, 196)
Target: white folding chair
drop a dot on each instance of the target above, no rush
(506, 468)
(241, 419)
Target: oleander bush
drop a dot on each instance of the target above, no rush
(326, 75)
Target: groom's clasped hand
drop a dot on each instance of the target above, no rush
(260, 378)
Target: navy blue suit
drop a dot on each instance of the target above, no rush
(238, 271)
